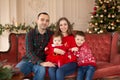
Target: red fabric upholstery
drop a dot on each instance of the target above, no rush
(21, 47)
(100, 45)
(11, 54)
(109, 70)
(115, 50)
(104, 48)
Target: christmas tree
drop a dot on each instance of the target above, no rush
(105, 17)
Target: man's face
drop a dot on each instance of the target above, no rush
(79, 40)
(57, 41)
(43, 21)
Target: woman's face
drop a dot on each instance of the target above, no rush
(63, 26)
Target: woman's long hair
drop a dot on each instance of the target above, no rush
(70, 27)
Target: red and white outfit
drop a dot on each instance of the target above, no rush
(84, 56)
(68, 42)
(55, 58)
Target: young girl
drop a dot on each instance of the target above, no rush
(57, 59)
(86, 61)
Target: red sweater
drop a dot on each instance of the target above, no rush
(56, 58)
(84, 56)
(68, 42)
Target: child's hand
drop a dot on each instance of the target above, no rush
(74, 49)
(46, 48)
(59, 51)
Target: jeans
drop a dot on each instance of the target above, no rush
(28, 67)
(56, 73)
(85, 72)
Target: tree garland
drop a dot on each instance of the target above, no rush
(14, 28)
(21, 27)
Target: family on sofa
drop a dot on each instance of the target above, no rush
(101, 57)
(38, 38)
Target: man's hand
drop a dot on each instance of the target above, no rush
(59, 51)
(47, 64)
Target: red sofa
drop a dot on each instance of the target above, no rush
(104, 46)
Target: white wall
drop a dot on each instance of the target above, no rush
(6, 12)
(77, 11)
(29, 9)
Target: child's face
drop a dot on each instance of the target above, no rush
(57, 40)
(79, 40)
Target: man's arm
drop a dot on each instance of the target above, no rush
(30, 53)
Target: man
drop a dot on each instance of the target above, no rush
(36, 40)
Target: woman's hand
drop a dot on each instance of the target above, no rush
(59, 51)
(47, 64)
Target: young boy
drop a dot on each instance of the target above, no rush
(86, 61)
(58, 59)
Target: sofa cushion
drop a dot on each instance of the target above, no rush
(107, 71)
(101, 65)
(100, 45)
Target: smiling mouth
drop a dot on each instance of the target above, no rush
(79, 44)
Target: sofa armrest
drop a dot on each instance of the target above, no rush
(115, 53)
(11, 54)
(118, 43)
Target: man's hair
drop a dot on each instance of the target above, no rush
(43, 13)
(80, 33)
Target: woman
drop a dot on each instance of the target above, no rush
(65, 28)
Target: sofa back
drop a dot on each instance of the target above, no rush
(100, 45)
(21, 46)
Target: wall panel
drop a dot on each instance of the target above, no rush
(77, 11)
(4, 19)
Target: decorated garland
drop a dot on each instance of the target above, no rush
(14, 28)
